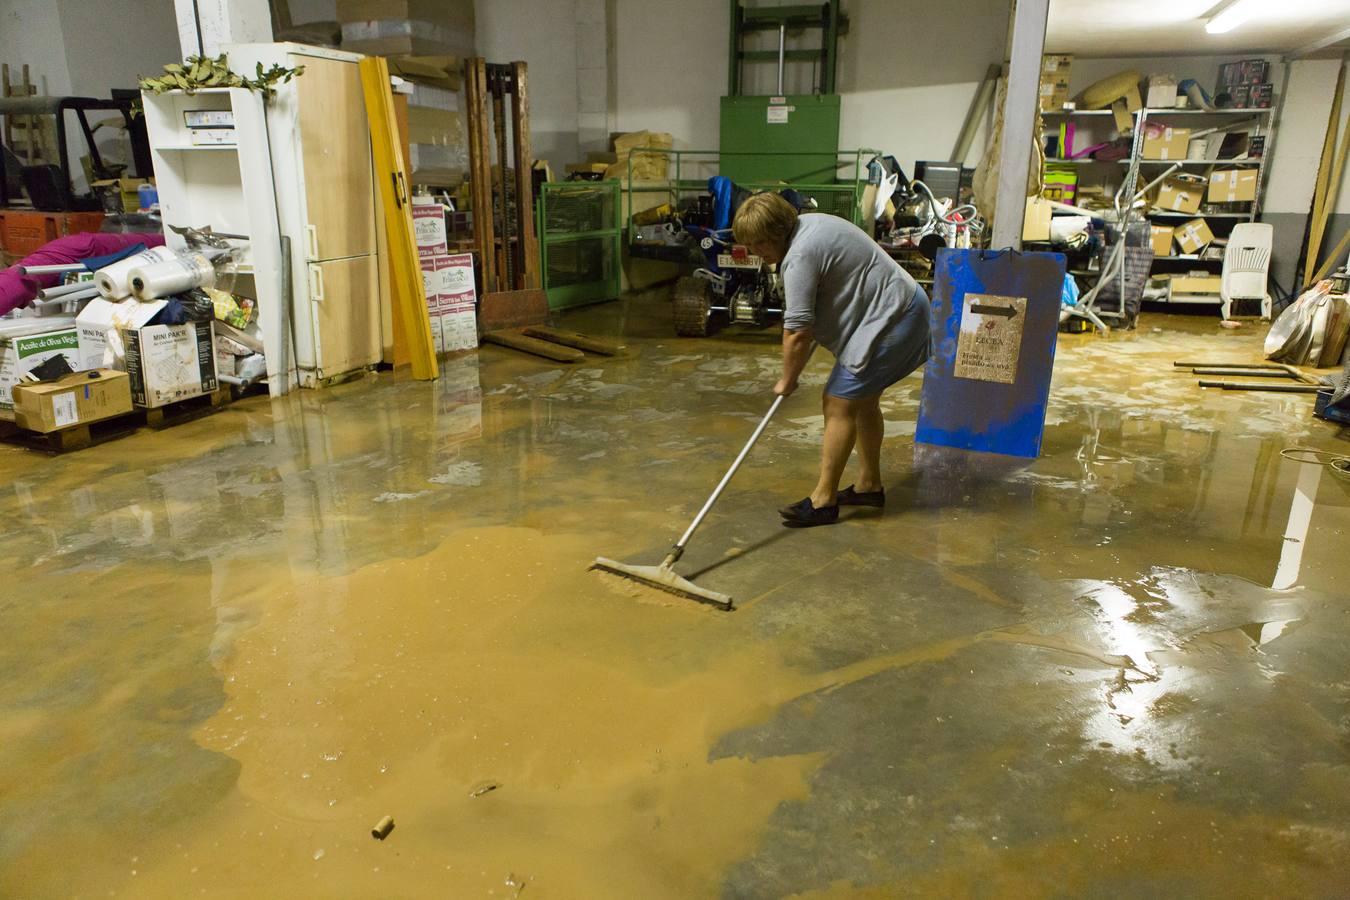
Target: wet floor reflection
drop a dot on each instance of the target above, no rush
(1054, 674)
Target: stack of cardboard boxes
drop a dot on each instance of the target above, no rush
(447, 279)
(1244, 85)
(426, 42)
(1055, 71)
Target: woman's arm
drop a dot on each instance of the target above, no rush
(797, 347)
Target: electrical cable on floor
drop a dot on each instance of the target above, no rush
(1336, 462)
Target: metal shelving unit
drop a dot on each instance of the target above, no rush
(1136, 166)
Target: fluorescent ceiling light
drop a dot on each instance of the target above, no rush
(1231, 16)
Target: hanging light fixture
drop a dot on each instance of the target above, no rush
(1231, 16)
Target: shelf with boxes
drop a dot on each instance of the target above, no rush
(1139, 128)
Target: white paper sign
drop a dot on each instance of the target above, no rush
(991, 338)
(778, 115)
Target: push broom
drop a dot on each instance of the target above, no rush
(664, 576)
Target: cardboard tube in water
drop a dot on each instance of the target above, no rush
(172, 276)
(382, 828)
(113, 281)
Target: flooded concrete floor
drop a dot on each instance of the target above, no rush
(231, 647)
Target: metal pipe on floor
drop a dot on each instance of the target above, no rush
(1263, 386)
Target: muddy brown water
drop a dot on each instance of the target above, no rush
(231, 648)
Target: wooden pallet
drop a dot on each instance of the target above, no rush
(79, 437)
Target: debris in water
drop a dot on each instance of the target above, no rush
(318, 854)
(483, 787)
(382, 828)
(517, 883)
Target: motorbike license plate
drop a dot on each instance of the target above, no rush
(749, 261)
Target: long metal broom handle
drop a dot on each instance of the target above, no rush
(678, 549)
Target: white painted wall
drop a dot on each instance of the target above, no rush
(906, 78)
(130, 38)
(671, 68)
(544, 35)
(68, 54)
(30, 32)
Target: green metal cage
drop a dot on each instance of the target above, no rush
(837, 190)
(580, 230)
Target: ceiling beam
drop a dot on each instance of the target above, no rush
(1322, 43)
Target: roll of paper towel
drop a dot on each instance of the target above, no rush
(113, 281)
(172, 276)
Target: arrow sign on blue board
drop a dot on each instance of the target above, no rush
(986, 310)
(995, 320)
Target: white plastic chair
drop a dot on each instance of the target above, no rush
(1246, 263)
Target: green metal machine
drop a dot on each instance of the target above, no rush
(806, 125)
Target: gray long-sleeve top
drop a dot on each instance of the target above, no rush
(838, 282)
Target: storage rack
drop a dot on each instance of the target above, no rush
(1136, 166)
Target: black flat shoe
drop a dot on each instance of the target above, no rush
(804, 515)
(849, 497)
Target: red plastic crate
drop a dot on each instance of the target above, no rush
(23, 231)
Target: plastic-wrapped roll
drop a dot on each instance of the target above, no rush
(172, 276)
(114, 282)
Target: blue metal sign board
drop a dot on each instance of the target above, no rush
(995, 317)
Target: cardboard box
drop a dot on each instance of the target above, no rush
(407, 29)
(1036, 222)
(1181, 193)
(1161, 237)
(168, 363)
(1055, 72)
(1244, 71)
(429, 227)
(1166, 142)
(99, 317)
(22, 353)
(1162, 92)
(438, 127)
(1193, 236)
(127, 189)
(76, 399)
(1232, 186)
(1195, 284)
(441, 71)
(457, 297)
(451, 13)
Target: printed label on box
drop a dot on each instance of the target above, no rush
(459, 323)
(429, 228)
(64, 410)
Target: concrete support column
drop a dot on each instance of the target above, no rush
(593, 79)
(205, 25)
(1019, 120)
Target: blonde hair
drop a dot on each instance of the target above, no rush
(765, 218)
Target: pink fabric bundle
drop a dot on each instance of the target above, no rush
(19, 290)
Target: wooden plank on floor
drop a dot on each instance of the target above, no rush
(517, 341)
(573, 339)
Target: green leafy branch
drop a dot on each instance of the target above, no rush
(197, 72)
